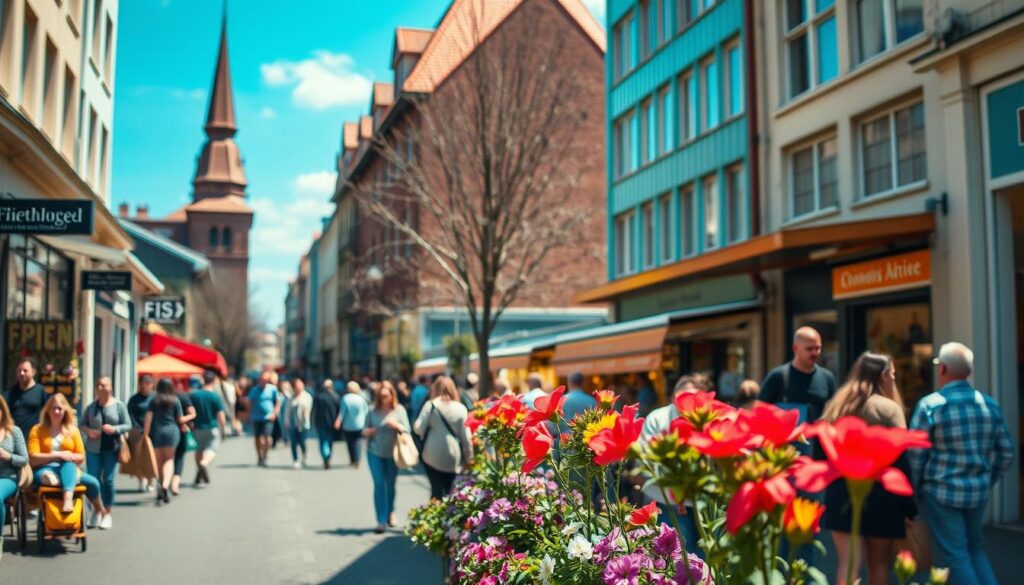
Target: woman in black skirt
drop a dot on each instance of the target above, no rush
(870, 393)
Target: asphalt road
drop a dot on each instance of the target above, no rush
(250, 526)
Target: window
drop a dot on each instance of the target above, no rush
(647, 229)
(811, 53)
(686, 12)
(647, 132)
(895, 136)
(68, 131)
(664, 117)
(38, 281)
(645, 29)
(711, 207)
(50, 99)
(883, 24)
(104, 137)
(97, 15)
(624, 161)
(90, 171)
(225, 238)
(664, 22)
(736, 203)
(665, 217)
(687, 90)
(214, 238)
(623, 47)
(733, 80)
(711, 105)
(687, 221)
(813, 177)
(625, 263)
(108, 51)
(29, 69)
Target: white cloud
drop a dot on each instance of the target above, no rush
(284, 230)
(317, 183)
(268, 113)
(326, 80)
(597, 8)
(198, 95)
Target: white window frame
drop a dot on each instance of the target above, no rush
(896, 187)
(888, 22)
(712, 179)
(667, 227)
(648, 256)
(727, 89)
(741, 213)
(814, 145)
(624, 241)
(808, 27)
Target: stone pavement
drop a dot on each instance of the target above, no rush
(250, 526)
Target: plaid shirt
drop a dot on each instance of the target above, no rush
(970, 450)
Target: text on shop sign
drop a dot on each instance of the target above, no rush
(888, 274)
(46, 216)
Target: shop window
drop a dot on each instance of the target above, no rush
(58, 289)
(812, 57)
(812, 177)
(903, 332)
(893, 153)
(37, 281)
(883, 24)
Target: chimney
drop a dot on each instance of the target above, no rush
(142, 212)
(122, 210)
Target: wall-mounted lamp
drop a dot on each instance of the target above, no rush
(940, 202)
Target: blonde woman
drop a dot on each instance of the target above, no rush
(385, 422)
(55, 451)
(870, 393)
(446, 443)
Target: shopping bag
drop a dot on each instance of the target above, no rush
(405, 453)
(124, 453)
(144, 459)
(190, 441)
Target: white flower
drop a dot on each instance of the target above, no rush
(547, 569)
(571, 529)
(580, 548)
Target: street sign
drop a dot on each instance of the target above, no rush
(93, 280)
(164, 310)
(45, 216)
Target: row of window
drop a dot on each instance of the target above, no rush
(892, 156)
(695, 102)
(651, 25)
(220, 238)
(667, 229)
(37, 281)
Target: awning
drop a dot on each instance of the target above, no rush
(204, 357)
(791, 247)
(430, 367)
(161, 364)
(84, 246)
(505, 358)
(634, 351)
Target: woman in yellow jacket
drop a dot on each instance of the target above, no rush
(55, 450)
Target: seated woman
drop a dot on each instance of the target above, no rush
(55, 450)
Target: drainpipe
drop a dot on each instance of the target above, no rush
(753, 151)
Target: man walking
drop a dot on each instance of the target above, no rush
(535, 385)
(576, 399)
(265, 407)
(971, 449)
(211, 425)
(26, 397)
(801, 384)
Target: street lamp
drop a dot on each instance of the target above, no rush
(375, 275)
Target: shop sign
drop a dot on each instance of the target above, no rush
(94, 280)
(46, 216)
(705, 293)
(52, 345)
(881, 275)
(164, 310)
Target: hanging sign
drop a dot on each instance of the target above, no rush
(94, 280)
(46, 216)
(164, 310)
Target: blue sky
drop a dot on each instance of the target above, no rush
(300, 69)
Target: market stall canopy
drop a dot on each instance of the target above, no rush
(632, 351)
(197, 355)
(161, 364)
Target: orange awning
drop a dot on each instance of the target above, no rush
(161, 364)
(429, 369)
(508, 362)
(636, 351)
(779, 249)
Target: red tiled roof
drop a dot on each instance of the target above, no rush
(383, 94)
(365, 127)
(411, 40)
(177, 215)
(466, 24)
(350, 135)
(226, 204)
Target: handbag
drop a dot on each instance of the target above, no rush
(25, 477)
(405, 454)
(190, 442)
(124, 452)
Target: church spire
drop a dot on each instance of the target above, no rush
(219, 170)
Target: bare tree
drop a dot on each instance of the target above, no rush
(230, 325)
(491, 193)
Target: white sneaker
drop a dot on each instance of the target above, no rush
(95, 519)
(106, 522)
(33, 514)
(297, 465)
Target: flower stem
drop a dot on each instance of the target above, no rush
(858, 490)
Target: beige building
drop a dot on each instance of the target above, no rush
(878, 175)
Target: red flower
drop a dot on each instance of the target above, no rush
(546, 408)
(776, 426)
(723, 437)
(858, 452)
(611, 445)
(606, 398)
(694, 402)
(757, 496)
(641, 516)
(507, 409)
(802, 520)
(537, 442)
(473, 423)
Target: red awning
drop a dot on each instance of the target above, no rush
(153, 343)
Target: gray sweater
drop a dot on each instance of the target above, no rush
(382, 443)
(14, 443)
(442, 450)
(115, 413)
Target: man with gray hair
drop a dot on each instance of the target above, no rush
(970, 451)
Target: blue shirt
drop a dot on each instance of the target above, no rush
(417, 398)
(576, 401)
(971, 446)
(531, 397)
(354, 409)
(262, 400)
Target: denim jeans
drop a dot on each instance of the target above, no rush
(103, 466)
(957, 542)
(297, 438)
(384, 473)
(326, 439)
(354, 442)
(68, 474)
(8, 487)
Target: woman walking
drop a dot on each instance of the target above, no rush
(105, 420)
(352, 420)
(163, 425)
(297, 421)
(138, 406)
(13, 456)
(870, 393)
(446, 444)
(385, 422)
(55, 451)
(184, 426)
(326, 406)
